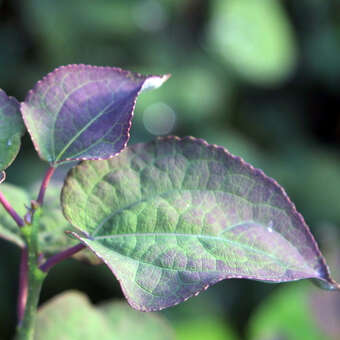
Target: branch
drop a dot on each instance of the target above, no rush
(44, 184)
(19, 221)
(55, 259)
(23, 284)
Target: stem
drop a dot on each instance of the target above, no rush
(44, 184)
(23, 284)
(19, 221)
(35, 278)
(53, 260)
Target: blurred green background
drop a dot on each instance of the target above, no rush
(260, 77)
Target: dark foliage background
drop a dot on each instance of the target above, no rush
(260, 77)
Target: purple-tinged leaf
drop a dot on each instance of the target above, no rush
(172, 217)
(11, 130)
(83, 112)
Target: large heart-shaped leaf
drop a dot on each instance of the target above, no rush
(174, 216)
(83, 112)
(63, 318)
(11, 129)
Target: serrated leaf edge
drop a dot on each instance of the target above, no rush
(47, 78)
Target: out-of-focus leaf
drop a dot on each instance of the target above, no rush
(172, 217)
(286, 315)
(325, 308)
(11, 129)
(83, 112)
(53, 224)
(52, 237)
(18, 198)
(129, 324)
(189, 322)
(255, 38)
(70, 316)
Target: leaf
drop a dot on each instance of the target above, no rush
(70, 316)
(129, 324)
(255, 37)
(18, 198)
(172, 217)
(2, 176)
(201, 319)
(11, 130)
(285, 315)
(63, 318)
(83, 112)
(52, 237)
(53, 224)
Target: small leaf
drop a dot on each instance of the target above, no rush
(11, 129)
(70, 316)
(18, 199)
(172, 217)
(83, 112)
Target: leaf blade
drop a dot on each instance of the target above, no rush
(172, 217)
(83, 112)
(11, 129)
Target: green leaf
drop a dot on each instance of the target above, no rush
(70, 316)
(286, 315)
(18, 198)
(53, 224)
(11, 129)
(255, 38)
(202, 318)
(172, 217)
(148, 326)
(52, 237)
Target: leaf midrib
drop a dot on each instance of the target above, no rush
(209, 237)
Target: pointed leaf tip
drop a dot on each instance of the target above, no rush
(172, 217)
(82, 112)
(11, 129)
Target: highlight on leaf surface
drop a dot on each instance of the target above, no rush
(83, 112)
(174, 216)
(11, 130)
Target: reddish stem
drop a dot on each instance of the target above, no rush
(23, 284)
(44, 185)
(19, 221)
(55, 259)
